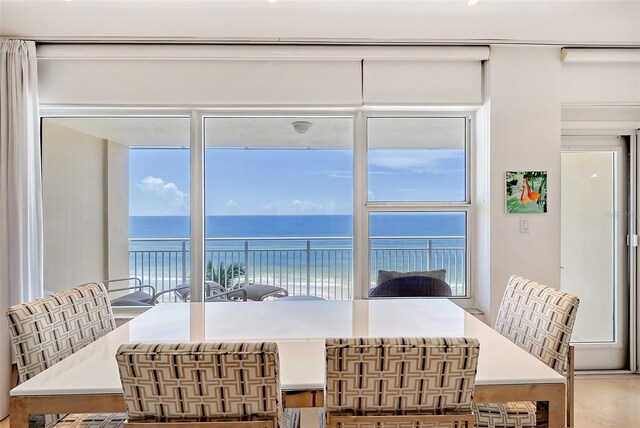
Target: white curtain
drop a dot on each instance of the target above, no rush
(21, 277)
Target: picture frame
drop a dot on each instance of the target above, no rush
(526, 192)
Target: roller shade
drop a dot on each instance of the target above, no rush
(194, 82)
(601, 76)
(259, 75)
(422, 82)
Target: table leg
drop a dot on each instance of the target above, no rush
(23, 406)
(557, 408)
(19, 416)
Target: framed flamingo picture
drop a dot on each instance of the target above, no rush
(526, 192)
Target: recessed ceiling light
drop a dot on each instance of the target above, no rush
(473, 2)
(272, 1)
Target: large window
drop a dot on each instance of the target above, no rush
(417, 203)
(278, 198)
(321, 204)
(116, 202)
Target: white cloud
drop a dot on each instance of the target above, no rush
(335, 173)
(301, 207)
(231, 203)
(415, 161)
(174, 200)
(271, 207)
(306, 206)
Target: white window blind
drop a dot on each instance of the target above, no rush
(260, 75)
(601, 76)
(422, 82)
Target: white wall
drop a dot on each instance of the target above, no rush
(117, 182)
(524, 128)
(74, 207)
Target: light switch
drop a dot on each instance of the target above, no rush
(524, 225)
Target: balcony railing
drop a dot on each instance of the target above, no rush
(320, 266)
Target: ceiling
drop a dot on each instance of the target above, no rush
(568, 22)
(275, 131)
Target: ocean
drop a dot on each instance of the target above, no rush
(305, 253)
(265, 226)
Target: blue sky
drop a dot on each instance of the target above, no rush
(288, 181)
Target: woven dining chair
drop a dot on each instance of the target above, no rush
(212, 383)
(215, 385)
(540, 320)
(47, 330)
(50, 329)
(400, 382)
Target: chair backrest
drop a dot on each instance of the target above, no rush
(201, 382)
(412, 286)
(539, 319)
(400, 376)
(47, 330)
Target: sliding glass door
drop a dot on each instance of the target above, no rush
(594, 250)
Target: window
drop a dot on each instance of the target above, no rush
(285, 198)
(159, 216)
(417, 198)
(278, 202)
(116, 201)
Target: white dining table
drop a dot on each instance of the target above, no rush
(88, 381)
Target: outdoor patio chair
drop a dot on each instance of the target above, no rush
(400, 382)
(182, 293)
(300, 297)
(259, 292)
(223, 296)
(142, 296)
(412, 286)
(139, 297)
(540, 320)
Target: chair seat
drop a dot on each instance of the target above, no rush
(542, 414)
(37, 421)
(290, 419)
(137, 298)
(303, 297)
(258, 292)
(92, 420)
(516, 414)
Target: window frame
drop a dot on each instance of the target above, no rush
(369, 207)
(362, 207)
(299, 113)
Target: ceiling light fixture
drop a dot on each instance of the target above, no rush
(272, 1)
(301, 126)
(473, 2)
